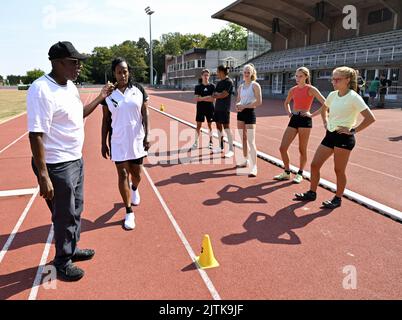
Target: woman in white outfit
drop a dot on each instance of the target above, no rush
(125, 122)
(249, 97)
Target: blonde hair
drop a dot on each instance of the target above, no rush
(252, 71)
(349, 73)
(306, 72)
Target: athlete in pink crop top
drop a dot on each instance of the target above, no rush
(303, 95)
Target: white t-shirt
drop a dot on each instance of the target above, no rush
(343, 111)
(247, 95)
(127, 142)
(57, 112)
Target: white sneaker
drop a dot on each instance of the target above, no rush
(230, 154)
(135, 197)
(217, 150)
(129, 222)
(243, 165)
(253, 172)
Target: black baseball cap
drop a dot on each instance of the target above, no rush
(63, 50)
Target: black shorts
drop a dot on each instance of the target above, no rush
(339, 140)
(298, 121)
(138, 162)
(247, 116)
(205, 113)
(221, 116)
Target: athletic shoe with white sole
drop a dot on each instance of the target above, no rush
(217, 150)
(135, 197)
(253, 172)
(129, 222)
(283, 176)
(298, 179)
(230, 154)
(243, 165)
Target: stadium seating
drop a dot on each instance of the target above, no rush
(382, 47)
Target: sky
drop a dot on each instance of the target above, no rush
(28, 28)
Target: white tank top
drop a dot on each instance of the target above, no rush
(247, 95)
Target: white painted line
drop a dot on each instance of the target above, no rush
(14, 142)
(204, 275)
(12, 118)
(370, 203)
(38, 278)
(17, 226)
(15, 193)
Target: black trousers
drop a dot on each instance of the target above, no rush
(66, 207)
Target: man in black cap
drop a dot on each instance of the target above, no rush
(56, 134)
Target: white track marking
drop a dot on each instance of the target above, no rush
(18, 225)
(38, 278)
(370, 203)
(16, 193)
(204, 275)
(13, 143)
(12, 118)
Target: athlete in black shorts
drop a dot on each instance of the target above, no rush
(223, 93)
(205, 106)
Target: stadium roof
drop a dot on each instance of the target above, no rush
(258, 15)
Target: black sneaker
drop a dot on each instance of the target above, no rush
(307, 196)
(332, 204)
(82, 255)
(70, 273)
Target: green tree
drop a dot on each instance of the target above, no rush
(14, 80)
(32, 75)
(232, 37)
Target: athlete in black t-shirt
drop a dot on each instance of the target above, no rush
(223, 94)
(205, 106)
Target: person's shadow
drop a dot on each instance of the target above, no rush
(197, 177)
(251, 194)
(277, 229)
(395, 139)
(38, 235)
(14, 283)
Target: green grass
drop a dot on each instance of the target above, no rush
(12, 103)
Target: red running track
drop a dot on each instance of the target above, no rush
(269, 247)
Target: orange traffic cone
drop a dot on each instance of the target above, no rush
(206, 259)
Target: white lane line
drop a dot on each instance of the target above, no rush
(38, 278)
(45, 254)
(370, 203)
(16, 193)
(204, 275)
(12, 118)
(14, 142)
(18, 225)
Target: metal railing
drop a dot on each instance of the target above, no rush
(362, 56)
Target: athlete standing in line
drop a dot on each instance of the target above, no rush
(205, 106)
(223, 93)
(301, 122)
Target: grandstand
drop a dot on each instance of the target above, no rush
(311, 33)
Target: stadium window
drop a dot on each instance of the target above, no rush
(379, 16)
(324, 75)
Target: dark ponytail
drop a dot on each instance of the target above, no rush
(224, 69)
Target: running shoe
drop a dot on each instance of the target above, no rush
(70, 273)
(135, 197)
(230, 154)
(83, 255)
(298, 179)
(243, 165)
(253, 173)
(332, 204)
(217, 150)
(129, 221)
(307, 196)
(283, 176)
